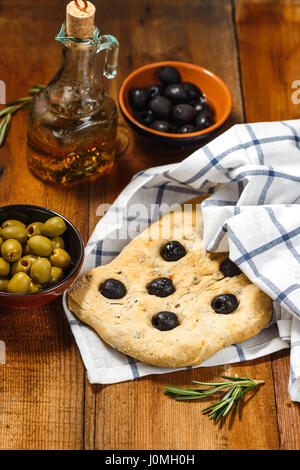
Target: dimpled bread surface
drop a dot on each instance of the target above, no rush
(125, 324)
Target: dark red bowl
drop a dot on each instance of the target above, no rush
(74, 245)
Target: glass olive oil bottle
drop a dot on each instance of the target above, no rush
(73, 122)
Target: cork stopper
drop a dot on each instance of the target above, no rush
(80, 21)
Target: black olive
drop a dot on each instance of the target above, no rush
(229, 268)
(203, 121)
(186, 129)
(172, 251)
(202, 99)
(176, 93)
(192, 90)
(161, 106)
(204, 108)
(164, 321)
(155, 90)
(138, 98)
(162, 126)
(183, 113)
(169, 75)
(145, 117)
(113, 289)
(225, 303)
(161, 287)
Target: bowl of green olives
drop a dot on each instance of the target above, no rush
(41, 253)
(174, 102)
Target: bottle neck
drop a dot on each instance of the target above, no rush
(78, 63)
(76, 88)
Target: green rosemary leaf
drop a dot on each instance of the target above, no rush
(234, 378)
(180, 391)
(246, 390)
(5, 123)
(218, 416)
(8, 110)
(231, 403)
(238, 388)
(197, 389)
(20, 101)
(251, 380)
(36, 89)
(186, 398)
(2, 122)
(12, 107)
(221, 403)
(210, 407)
(210, 383)
(237, 406)
(211, 391)
(200, 393)
(228, 394)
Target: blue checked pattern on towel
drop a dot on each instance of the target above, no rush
(252, 172)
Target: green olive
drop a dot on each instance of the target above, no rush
(30, 258)
(10, 222)
(1, 241)
(19, 284)
(34, 229)
(11, 250)
(4, 268)
(54, 227)
(14, 231)
(21, 266)
(57, 242)
(60, 258)
(39, 245)
(34, 288)
(40, 271)
(57, 275)
(3, 284)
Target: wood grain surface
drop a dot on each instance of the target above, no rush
(269, 37)
(45, 400)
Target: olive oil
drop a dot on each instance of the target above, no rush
(72, 122)
(65, 150)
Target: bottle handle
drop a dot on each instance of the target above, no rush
(111, 45)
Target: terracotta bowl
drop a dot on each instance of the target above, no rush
(217, 93)
(74, 246)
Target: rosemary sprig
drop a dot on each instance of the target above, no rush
(238, 388)
(12, 107)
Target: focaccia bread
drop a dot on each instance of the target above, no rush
(166, 302)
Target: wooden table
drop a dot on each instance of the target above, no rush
(46, 401)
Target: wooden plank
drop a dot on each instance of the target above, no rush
(42, 383)
(268, 39)
(136, 415)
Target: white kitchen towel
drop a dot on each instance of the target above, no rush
(252, 172)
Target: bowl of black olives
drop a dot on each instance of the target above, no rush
(41, 253)
(174, 102)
